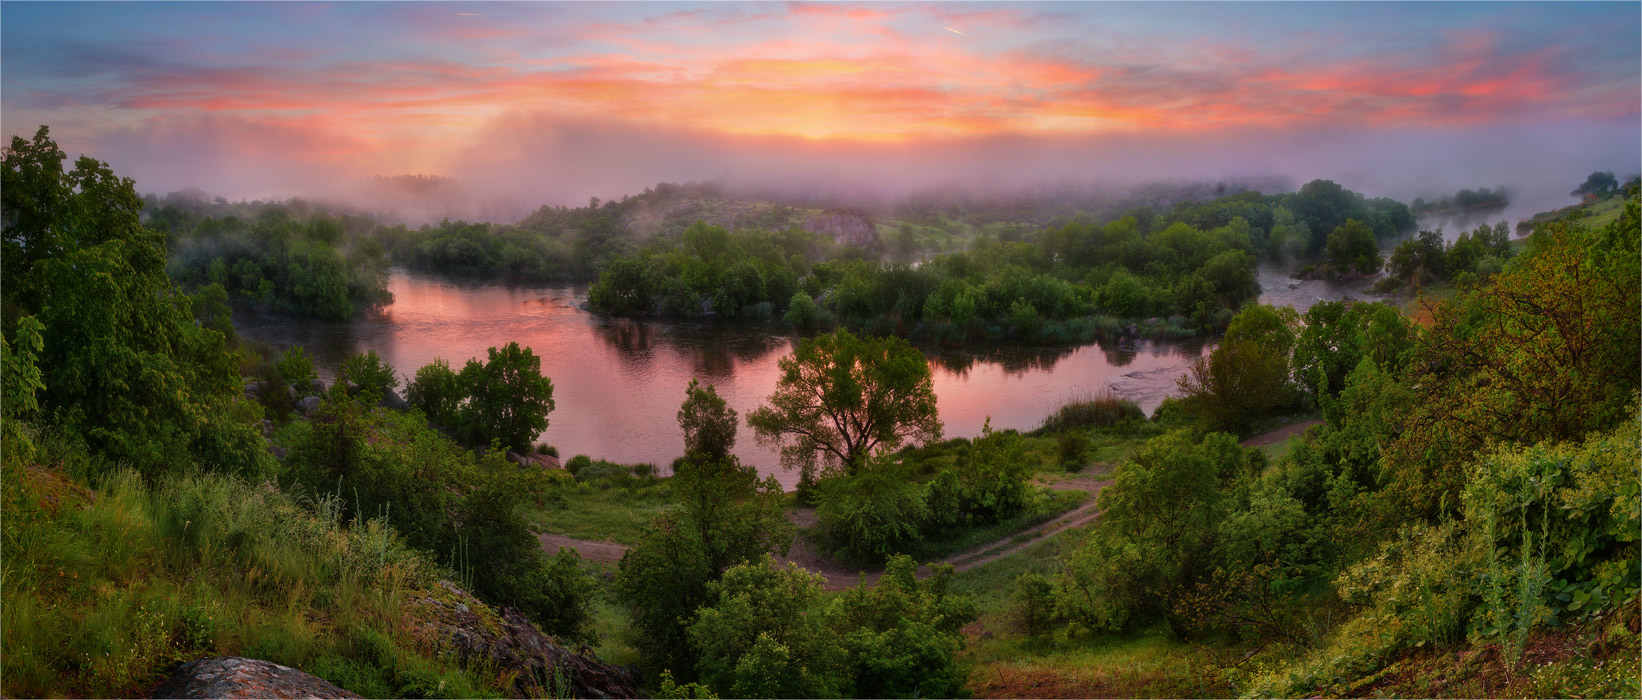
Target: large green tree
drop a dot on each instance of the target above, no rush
(507, 398)
(123, 361)
(842, 398)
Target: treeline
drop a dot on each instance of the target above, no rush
(1066, 283)
(292, 257)
(1475, 256)
(1463, 199)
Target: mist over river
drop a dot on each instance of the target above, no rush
(618, 382)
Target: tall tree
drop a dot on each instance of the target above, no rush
(508, 399)
(842, 398)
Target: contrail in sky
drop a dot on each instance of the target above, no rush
(954, 31)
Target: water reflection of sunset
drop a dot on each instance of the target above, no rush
(618, 382)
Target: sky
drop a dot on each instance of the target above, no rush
(556, 102)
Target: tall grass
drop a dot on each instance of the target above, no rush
(1099, 409)
(108, 589)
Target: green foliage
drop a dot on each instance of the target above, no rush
(366, 375)
(123, 362)
(506, 399)
(802, 311)
(726, 516)
(1351, 247)
(843, 398)
(768, 634)
(709, 424)
(108, 589)
(1101, 410)
(873, 514)
(435, 392)
(296, 367)
(1157, 538)
(763, 635)
(1034, 603)
(989, 488)
(1236, 384)
(394, 467)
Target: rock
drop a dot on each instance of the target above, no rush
(236, 677)
(847, 226)
(316, 387)
(392, 400)
(511, 644)
(291, 391)
(308, 405)
(254, 389)
(706, 308)
(267, 427)
(533, 459)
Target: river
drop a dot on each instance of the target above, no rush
(618, 383)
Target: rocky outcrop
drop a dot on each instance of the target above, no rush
(236, 677)
(308, 405)
(846, 226)
(534, 459)
(540, 666)
(392, 400)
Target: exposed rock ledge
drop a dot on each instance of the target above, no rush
(235, 677)
(509, 640)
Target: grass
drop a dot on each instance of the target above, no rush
(605, 510)
(109, 588)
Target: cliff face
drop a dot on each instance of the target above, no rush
(538, 664)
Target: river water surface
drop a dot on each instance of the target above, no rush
(618, 383)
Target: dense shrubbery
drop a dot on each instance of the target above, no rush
(502, 401)
(393, 466)
(1475, 256)
(767, 633)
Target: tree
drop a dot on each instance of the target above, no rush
(1352, 247)
(1237, 384)
(1599, 183)
(842, 398)
(436, 393)
(507, 398)
(123, 362)
(708, 423)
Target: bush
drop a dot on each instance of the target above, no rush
(873, 514)
(366, 375)
(577, 464)
(1071, 446)
(988, 487)
(1034, 604)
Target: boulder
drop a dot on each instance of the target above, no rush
(509, 642)
(236, 677)
(254, 389)
(316, 387)
(308, 404)
(392, 400)
(266, 426)
(291, 391)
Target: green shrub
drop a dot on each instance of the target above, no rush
(872, 515)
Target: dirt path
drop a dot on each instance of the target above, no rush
(839, 576)
(1281, 434)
